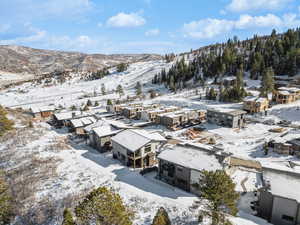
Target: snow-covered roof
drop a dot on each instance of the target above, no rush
(190, 158)
(104, 131)
(155, 136)
(201, 146)
(255, 99)
(289, 89)
(42, 109)
(135, 139)
(283, 183)
(284, 92)
(70, 115)
(290, 136)
(66, 115)
(82, 122)
(228, 111)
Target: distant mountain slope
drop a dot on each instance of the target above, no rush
(19, 59)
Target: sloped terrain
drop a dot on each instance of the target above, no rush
(18, 59)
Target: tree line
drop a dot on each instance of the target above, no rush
(261, 57)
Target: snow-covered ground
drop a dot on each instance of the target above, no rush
(83, 168)
(8, 78)
(68, 94)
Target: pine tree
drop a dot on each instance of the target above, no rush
(109, 102)
(267, 83)
(103, 89)
(89, 103)
(161, 218)
(103, 206)
(218, 191)
(6, 210)
(5, 123)
(122, 67)
(138, 88)
(120, 90)
(212, 94)
(68, 218)
(96, 103)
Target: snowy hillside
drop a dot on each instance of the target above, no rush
(68, 94)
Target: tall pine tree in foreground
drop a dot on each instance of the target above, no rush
(218, 192)
(161, 218)
(104, 207)
(68, 218)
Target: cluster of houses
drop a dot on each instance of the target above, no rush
(181, 164)
(171, 117)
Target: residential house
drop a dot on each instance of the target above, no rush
(146, 108)
(182, 166)
(136, 148)
(100, 137)
(195, 115)
(42, 112)
(170, 120)
(227, 118)
(285, 95)
(151, 115)
(279, 199)
(287, 144)
(63, 119)
(130, 112)
(255, 104)
(116, 109)
(78, 125)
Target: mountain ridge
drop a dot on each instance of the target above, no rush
(22, 59)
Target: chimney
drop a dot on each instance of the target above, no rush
(73, 114)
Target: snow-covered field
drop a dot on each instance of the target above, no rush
(8, 78)
(68, 94)
(84, 168)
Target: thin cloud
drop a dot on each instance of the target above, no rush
(152, 32)
(126, 20)
(247, 5)
(210, 27)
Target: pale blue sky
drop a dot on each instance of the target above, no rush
(139, 26)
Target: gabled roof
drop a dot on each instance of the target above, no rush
(133, 139)
(71, 115)
(35, 109)
(66, 115)
(82, 122)
(105, 131)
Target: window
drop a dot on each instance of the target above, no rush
(179, 168)
(148, 148)
(288, 218)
